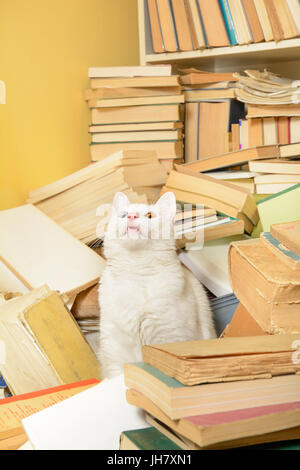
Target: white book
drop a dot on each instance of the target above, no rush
(38, 251)
(231, 175)
(210, 264)
(131, 71)
(91, 420)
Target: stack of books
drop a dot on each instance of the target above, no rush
(181, 25)
(73, 201)
(199, 189)
(220, 393)
(272, 104)
(136, 108)
(271, 263)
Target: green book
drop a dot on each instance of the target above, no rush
(146, 439)
(279, 208)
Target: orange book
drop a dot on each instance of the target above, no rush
(283, 130)
(167, 26)
(274, 20)
(235, 132)
(191, 24)
(213, 23)
(157, 41)
(255, 129)
(253, 20)
(182, 25)
(242, 324)
(16, 408)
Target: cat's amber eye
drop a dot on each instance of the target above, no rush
(150, 215)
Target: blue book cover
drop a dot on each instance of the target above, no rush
(228, 22)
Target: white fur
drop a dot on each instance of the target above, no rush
(146, 296)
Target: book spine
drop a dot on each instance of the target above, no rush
(228, 22)
(202, 24)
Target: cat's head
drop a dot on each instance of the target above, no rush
(140, 221)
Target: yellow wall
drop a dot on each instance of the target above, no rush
(46, 47)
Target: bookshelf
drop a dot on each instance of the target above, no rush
(216, 58)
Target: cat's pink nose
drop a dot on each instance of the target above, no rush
(133, 216)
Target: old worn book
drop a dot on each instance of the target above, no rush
(286, 255)
(164, 70)
(202, 200)
(234, 196)
(86, 304)
(164, 149)
(132, 114)
(235, 158)
(224, 359)
(270, 131)
(46, 254)
(44, 346)
(105, 93)
(146, 439)
(16, 408)
(203, 94)
(182, 26)
(253, 20)
(179, 401)
(272, 291)
(167, 25)
(256, 110)
(275, 167)
(135, 82)
(197, 77)
(283, 130)
(222, 227)
(213, 22)
(241, 22)
(156, 35)
(288, 234)
(195, 24)
(135, 101)
(139, 136)
(287, 22)
(136, 126)
(264, 19)
(198, 116)
(242, 324)
(229, 429)
(255, 130)
(73, 201)
(271, 7)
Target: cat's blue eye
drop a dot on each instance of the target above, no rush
(123, 215)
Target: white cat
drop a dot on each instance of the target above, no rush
(146, 296)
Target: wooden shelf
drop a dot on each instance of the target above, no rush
(220, 57)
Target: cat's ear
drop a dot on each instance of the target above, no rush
(167, 205)
(120, 202)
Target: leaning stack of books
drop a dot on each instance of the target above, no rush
(271, 263)
(181, 25)
(220, 393)
(136, 108)
(80, 201)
